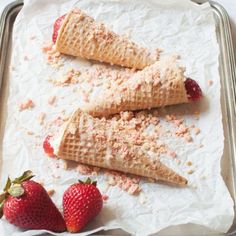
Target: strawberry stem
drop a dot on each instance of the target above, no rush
(1, 209)
(8, 185)
(2, 200)
(2, 197)
(88, 181)
(25, 176)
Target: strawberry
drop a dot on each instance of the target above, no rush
(194, 91)
(26, 204)
(48, 149)
(56, 27)
(81, 203)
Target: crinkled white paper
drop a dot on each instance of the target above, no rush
(180, 27)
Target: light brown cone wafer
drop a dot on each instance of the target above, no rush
(158, 85)
(96, 142)
(81, 36)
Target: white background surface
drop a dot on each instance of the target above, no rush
(229, 5)
(163, 206)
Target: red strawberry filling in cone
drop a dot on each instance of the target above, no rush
(56, 27)
(47, 147)
(193, 90)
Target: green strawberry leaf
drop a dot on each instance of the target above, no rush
(2, 198)
(25, 176)
(16, 190)
(8, 185)
(1, 209)
(88, 181)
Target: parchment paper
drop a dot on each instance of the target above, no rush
(180, 27)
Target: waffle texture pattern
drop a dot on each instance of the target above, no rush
(81, 36)
(96, 142)
(157, 85)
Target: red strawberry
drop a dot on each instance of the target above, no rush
(56, 27)
(81, 203)
(27, 205)
(48, 149)
(194, 91)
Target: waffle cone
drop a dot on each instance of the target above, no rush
(81, 36)
(92, 141)
(158, 85)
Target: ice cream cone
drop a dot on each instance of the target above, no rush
(158, 85)
(79, 35)
(96, 142)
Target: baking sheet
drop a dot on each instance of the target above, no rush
(196, 69)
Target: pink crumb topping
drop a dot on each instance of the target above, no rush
(28, 104)
(58, 121)
(188, 138)
(47, 47)
(87, 170)
(41, 118)
(126, 183)
(53, 56)
(51, 100)
(197, 131)
(172, 154)
(210, 82)
(84, 169)
(182, 130)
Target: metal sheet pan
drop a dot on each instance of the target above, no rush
(228, 95)
(6, 24)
